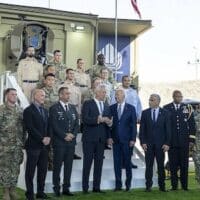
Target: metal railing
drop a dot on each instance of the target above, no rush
(8, 80)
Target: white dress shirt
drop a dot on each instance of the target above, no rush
(98, 105)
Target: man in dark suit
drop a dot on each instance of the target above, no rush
(155, 139)
(123, 137)
(36, 123)
(183, 132)
(64, 125)
(96, 122)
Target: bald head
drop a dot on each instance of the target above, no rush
(177, 96)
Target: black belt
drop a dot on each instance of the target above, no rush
(83, 85)
(28, 81)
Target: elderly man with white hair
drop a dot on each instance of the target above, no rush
(123, 137)
(96, 121)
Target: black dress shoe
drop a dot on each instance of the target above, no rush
(185, 189)
(117, 189)
(163, 190)
(57, 193)
(85, 192)
(67, 193)
(173, 189)
(134, 166)
(98, 191)
(42, 196)
(148, 189)
(127, 189)
(76, 157)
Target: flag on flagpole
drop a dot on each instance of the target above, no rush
(134, 4)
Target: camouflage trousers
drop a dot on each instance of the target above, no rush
(10, 167)
(196, 158)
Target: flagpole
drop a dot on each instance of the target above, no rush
(116, 27)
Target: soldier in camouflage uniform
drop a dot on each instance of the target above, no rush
(51, 93)
(196, 149)
(51, 96)
(94, 71)
(104, 73)
(90, 93)
(11, 144)
(60, 67)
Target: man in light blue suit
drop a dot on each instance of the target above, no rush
(123, 137)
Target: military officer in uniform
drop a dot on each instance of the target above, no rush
(104, 75)
(183, 131)
(75, 97)
(90, 93)
(64, 124)
(29, 72)
(51, 96)
(196, 150)
(60, 67)
(81, 78)
(11, 144)
(94, 71)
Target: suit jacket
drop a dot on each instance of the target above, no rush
(36, 126)
(155, 133)
(124, 129)
(182, 123)
(62, 122)
(92, 131)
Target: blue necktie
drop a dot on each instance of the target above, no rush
(154, 115)
(42, 112)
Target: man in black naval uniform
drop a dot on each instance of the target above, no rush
(183, 130)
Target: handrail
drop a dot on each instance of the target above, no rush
(8, 80)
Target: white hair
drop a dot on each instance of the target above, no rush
(99, 88)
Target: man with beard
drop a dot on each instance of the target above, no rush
(29, 72)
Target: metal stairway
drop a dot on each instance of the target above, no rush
(108, 179)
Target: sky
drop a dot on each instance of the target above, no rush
(164, 51)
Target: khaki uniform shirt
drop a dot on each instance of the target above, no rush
(82, 81)
(60, 71)
(75, 96)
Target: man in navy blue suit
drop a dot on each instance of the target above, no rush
(155, 134)
(96, 121)
(36, 125)
(123, 137)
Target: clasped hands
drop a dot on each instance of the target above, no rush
(46, 140)
(69, 137)
(106, 120)
(110, 142)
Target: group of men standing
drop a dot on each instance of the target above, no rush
(108, 116)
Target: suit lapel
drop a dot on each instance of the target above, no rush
(37, 112)
(96, 107)
(61, 109)
(159, 115)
